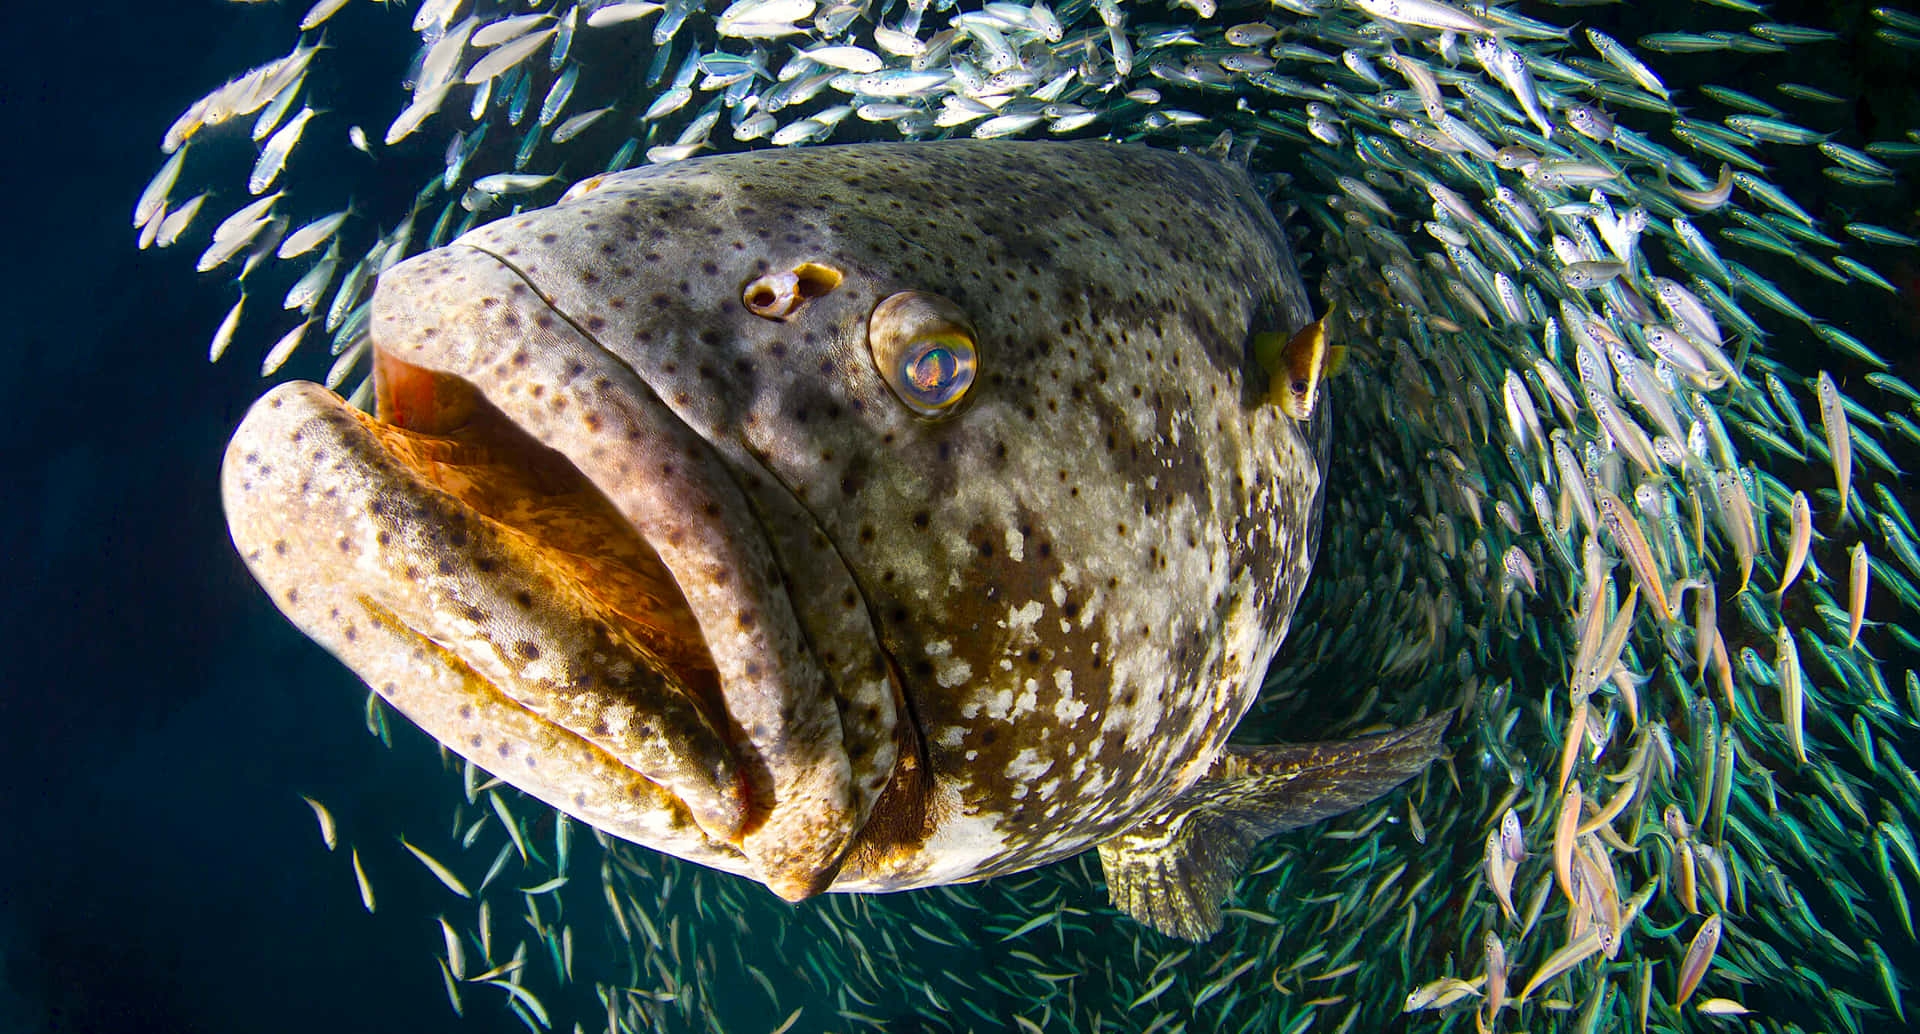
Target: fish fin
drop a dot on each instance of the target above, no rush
(1268, 346)
(1336, 360)
(1228, 149)
(1174, 869)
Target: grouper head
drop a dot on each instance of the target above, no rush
(848, 518)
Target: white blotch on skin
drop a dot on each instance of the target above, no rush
(1077, 772)
(1021, 619)
(1027, 766)
(1029, 697)
(949, 671)
(995, 706)
(1069, 710)
(952, 673)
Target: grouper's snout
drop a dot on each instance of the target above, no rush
(536, 561)
(372, 535)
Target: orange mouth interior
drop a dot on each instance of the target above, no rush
(452, 438)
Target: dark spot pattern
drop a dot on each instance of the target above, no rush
(1080, 575)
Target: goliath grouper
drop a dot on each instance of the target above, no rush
(849, 518)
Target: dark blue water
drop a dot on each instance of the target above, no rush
(158, 871)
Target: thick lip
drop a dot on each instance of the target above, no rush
(472, 629)
(464, 332)
(472, 472)
(452, 439)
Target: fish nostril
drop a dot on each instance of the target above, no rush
(775, 296)
(760, 296)
(815, 280)
(781, 296)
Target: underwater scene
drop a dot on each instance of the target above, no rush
(1615, 313)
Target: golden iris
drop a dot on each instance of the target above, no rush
(924, 350)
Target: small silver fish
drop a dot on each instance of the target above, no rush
(1801, 539)
(312, 235)
(1786, 670)
(1426, 14)
(507, 29)
(360, 880)
(1833, 420)
(154, 197)
(328, 833)
(415, 113)
(1860, 572)
(318, 14)
(273, 157)
(173, 225)
(1590, 274)
(506, 56)
(439, 870)
(1699, 956)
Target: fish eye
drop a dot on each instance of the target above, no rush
(1300, 386)
(924, 349)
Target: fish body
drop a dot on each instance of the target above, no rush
(1833, 420)
(1430, 14)
(1443, 305)
(1801, 538)
(153, 199)
(1859, 576)
(800, 515)
(273, 157)
(1296, 367)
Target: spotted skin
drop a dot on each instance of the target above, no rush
(937, 650)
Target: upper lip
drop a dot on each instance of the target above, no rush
(680, 498)
(450, 438)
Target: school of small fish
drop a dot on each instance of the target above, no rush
(1618, 473)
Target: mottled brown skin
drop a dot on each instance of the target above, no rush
(940, 650)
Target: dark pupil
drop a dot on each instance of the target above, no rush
(1300, 387)
(930, 372)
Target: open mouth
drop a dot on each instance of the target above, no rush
(505, 559)
(440, 428)
(560, 577)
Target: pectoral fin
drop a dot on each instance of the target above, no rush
(1174, 869)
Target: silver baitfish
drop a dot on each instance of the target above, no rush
(728, 511)
(1552, 278)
